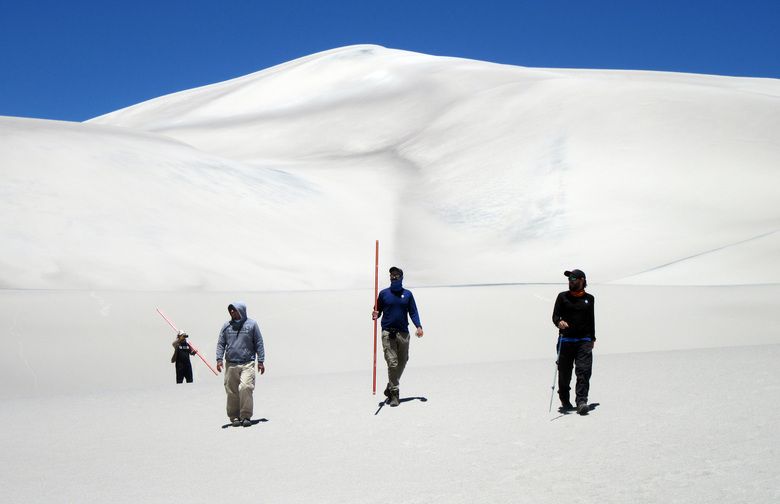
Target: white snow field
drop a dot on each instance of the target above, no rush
(484, 182)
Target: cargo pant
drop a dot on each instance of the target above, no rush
(239, 385)
(579, 355)
(396, 348)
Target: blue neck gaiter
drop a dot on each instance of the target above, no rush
(396, 286)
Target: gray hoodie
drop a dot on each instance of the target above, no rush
(240, 340)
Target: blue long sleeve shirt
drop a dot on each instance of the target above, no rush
(394, 309)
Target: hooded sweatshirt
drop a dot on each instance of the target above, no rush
(240, 340)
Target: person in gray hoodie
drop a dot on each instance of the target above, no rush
(239, 343)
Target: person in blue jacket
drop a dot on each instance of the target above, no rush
(393, 305)
(239, 343)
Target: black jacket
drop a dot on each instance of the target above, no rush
(181, 352)
(577, 312)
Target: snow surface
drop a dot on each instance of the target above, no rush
(684, 426)
(484, 182)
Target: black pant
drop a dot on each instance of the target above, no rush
(184, 370)
(580, 355)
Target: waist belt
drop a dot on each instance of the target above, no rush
(574, 340)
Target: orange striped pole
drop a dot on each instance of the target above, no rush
(376, 295)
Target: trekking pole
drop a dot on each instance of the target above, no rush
(197, 352)
(555, 376)
(376, 288)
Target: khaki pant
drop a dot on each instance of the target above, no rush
(239, 385)
(396, 355)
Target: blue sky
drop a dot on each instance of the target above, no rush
(73, 60)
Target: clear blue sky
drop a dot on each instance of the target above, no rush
(76, 59)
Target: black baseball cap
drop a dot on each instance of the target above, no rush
(574, 273)
(396, 271)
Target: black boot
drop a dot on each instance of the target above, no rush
(394, 400)
(583, 408)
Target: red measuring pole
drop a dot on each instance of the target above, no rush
(376, 294)
(197, 352)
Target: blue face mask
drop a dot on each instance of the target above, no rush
(396, 285)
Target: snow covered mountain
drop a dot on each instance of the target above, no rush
(467, 172)
(271, 189)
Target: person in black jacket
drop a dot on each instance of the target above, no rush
(573, 316)
(181, 357)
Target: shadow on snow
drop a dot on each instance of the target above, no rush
(403, 400)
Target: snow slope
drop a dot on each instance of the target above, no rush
(513, 171)
(468, 172)
(484, 182)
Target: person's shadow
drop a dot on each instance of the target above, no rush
(564, 412)
(402, 400)
(252, 422)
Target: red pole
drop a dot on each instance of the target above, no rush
(197, 352)
(376, 293)
(167, 320)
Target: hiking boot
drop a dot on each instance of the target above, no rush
(246, 422)
(567, 406)
(387, 391)
(583, 408)
(394, 398)
(236, 422)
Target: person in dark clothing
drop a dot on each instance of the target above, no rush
(181, 357)
(573, 316)
(394, 304)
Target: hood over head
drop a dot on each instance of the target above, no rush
(240, 308)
